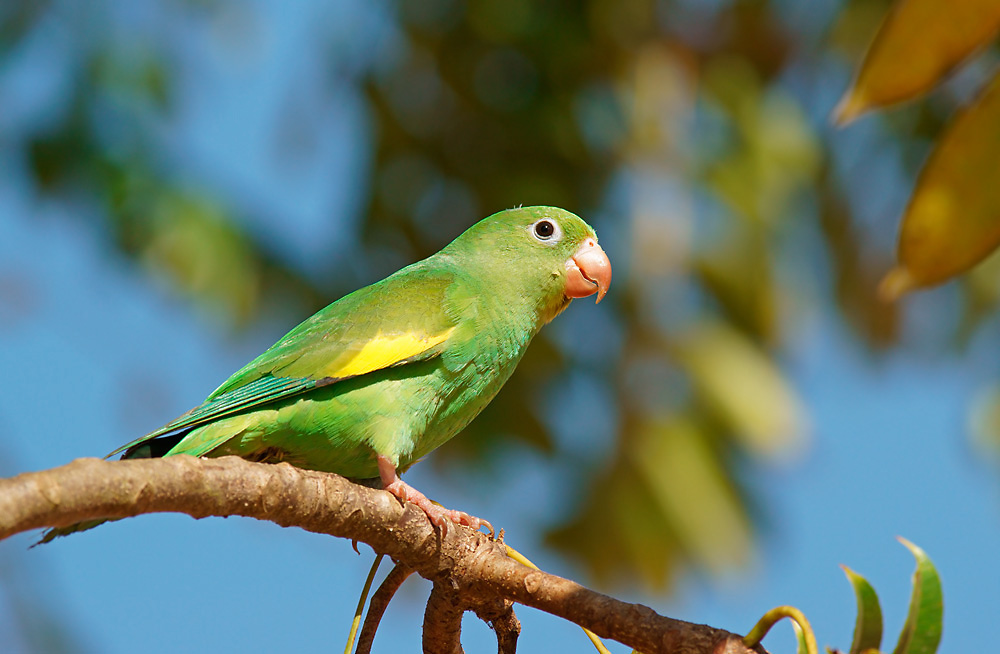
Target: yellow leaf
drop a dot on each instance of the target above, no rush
(984, 421)
(744, 386)
(953, 219)
(678, 466)
(918, 43)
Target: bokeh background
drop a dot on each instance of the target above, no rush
(182, 181)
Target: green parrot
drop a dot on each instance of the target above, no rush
(378, 379)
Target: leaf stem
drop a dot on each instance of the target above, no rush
(523, 560)
(361, 604)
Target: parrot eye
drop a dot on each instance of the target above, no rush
(545, 230)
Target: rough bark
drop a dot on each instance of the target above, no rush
(472, 569)
(443, 621)
(507, 628)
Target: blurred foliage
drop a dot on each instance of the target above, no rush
(951, 223)
(102, 152)
(693, 135)
(918, 43)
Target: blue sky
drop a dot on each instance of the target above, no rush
(95, 353)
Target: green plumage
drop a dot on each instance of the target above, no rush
(396, 368)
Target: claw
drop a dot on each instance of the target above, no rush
(437, 514)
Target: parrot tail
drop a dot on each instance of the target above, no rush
(51, 534)
(153, 448)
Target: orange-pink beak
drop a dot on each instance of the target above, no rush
(588, 271)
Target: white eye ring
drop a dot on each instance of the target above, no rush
(546, 230)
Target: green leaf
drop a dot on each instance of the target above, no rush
(868, 626)
(922, 630)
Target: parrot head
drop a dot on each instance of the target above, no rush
(544, 253)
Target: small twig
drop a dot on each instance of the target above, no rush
(507, 628)
(443, 622)
(498, 613)
(380, 601)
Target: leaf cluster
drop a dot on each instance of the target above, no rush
(921, 633)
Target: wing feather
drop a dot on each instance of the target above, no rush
(400, 320)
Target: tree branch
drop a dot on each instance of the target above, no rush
(507, 628)
(465, 562)
(443, 621)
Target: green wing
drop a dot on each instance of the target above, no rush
(409, 316)
(258, 392)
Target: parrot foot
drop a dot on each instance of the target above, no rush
(438, 515)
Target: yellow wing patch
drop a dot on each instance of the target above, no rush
(382, 352)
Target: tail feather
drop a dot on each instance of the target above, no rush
(210, 425)
(204, 439)
(57, 532)
(153, 448)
